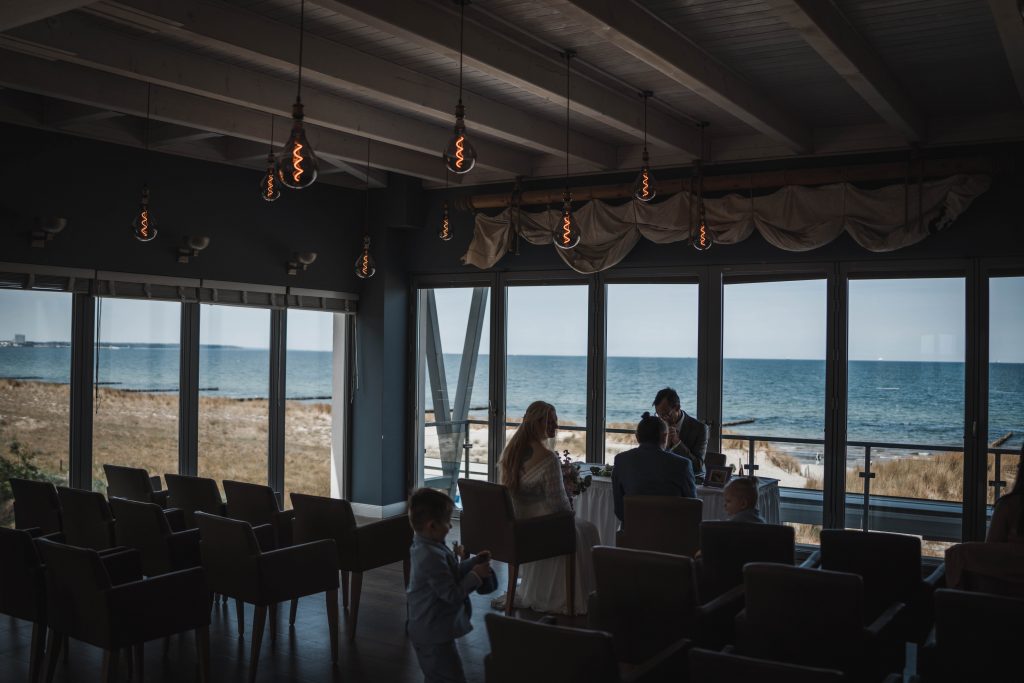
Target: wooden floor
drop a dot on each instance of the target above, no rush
(380, 651)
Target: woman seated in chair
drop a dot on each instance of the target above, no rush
(533, 474)
(1000, 560)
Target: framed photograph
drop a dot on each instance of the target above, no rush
(717, 476)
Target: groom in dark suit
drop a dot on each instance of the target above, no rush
(687, 436)
(650, 470)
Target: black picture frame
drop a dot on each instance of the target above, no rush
(717, 477)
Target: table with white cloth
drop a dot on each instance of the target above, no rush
(597, 505)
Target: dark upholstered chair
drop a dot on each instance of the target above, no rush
(23, 589)
(194, 494)
(648, 600)
(663, 524)
(726, 546)
(890, 565)
(84, 604)
(714, 460)
(36, 505)
(236, 567)
(975, 638)
(360, 548)
(707, 666)
(488, 522)
(813, 618)
(257, 504)
(144, 527)
(524, 650)
(134, 483)
(88, 520)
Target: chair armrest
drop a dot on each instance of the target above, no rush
(283, 520)
(298, 570)
(538, 538)
(383, 542)
(165, 604)
(184, 549)
(175, 518)
(813, 560)
(595, 620)
(155, 482)
(123, 565)
(717, 618)
(885, 619)
(660, 664)
(937, 579)
(265, 537)
(159, 497)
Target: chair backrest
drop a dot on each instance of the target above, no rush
(707, 666)
(714, 459)
(230, 555)
(75, 582)
(22, 577)
(664, 524)
(803, 616)
(253, 503)
(88, 521)
(317, 517)
(523, 650)
(194, 494)
(487, 519)
(646, 599)
(726, 546)
(976, 635)
(36, 505)
(143, 526)
(889, 564)
(131, 483)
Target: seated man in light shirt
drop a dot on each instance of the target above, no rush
(687, 436)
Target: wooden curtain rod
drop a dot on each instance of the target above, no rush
(926, 168)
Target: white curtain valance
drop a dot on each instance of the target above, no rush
(794, 218)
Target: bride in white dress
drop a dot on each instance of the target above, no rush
(533, 474)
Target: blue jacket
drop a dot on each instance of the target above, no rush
(438, 594)
(649, 471)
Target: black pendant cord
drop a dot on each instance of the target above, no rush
(145, 136)
(568, 99)
(462, 33)
(271, 153)
(646, 95)
(302, 35)
(367, 186)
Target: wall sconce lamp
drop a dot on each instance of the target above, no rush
(301, 260)
(46, 229)
(193, 245)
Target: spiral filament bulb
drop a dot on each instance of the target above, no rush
(270, 190)
(445, 233)
(365, 265)
(567, 235)
(142, 226)
(459, 155)
(297, 167)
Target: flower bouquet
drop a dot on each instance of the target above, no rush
(575, 484)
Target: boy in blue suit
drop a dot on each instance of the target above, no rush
(440, 583)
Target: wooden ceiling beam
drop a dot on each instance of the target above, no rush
(1009, 16)
(15, 13)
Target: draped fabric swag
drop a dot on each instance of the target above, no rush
(794, 218)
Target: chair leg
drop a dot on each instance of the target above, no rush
(405, 572)
(332, 622)
(240, 614)
(37, 652)
(203, 652)
(259, 622)
(53, 646)
(139, 668)
(294, 609)
(110, 659)
(353, 610)
(344, 589)
(510, 594)
(570, 583)
(272, 610)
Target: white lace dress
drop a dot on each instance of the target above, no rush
(541, 492)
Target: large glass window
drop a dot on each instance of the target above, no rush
(315, 377)
(546, 347)
(453, 384)
(773, 386)
(906, 407)
(234, 378)
(651, 343)
(1005, 383)
(135, 418)
(35, 367)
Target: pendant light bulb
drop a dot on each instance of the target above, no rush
(700, 236)
(270, 187)
(459, 154)
(445, 233)
(365, 265)
(567, 235)
(643, 187)
(297, 165)
(143, 225)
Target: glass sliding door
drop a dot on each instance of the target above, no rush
(35, 372)
(546, 359)
(1005, 384)
(651, 342)
(773, 391)
(135, 419)
(453, 338)
(905, 424)
(234, 380)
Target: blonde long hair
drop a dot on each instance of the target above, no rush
(519, 448)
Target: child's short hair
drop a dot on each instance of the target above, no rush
(427, 505)
(745, 488)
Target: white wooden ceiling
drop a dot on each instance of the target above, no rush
(773, 78)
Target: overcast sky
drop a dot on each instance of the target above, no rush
(921, 319)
